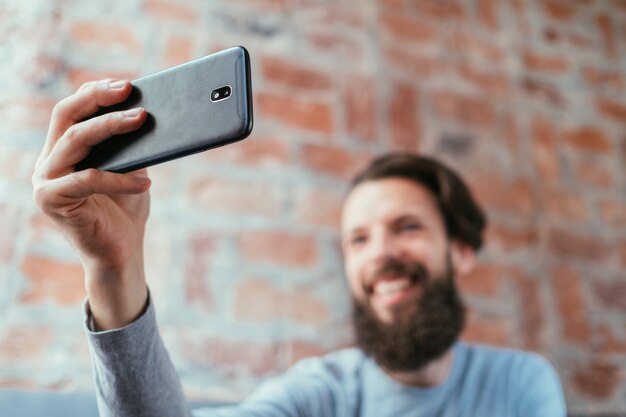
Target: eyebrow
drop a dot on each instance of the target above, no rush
(394, 222)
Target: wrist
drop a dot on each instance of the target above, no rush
(117, 296)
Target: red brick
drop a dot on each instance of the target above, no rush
(231, 357)
(228, 196)
(415, 63)
(570, 302)
(268, 5)
(18, 344)
(537, 62)
(299, 350)
(613, 214)
(280, 248)
(606, 30)
(558, 10)
(609, 343)
(332, 160)
(612, 109)
(167, 10)
(611, 295)
(543, 90)
(254, 152)
(404, 28)
(17, 162)
(611, 80)
(392, 5)
(178, 50)
(321, 208)
(78, 76)
(505, 239)
(441, 10)
(509, 131)
(338, 43)
(52, 279)
(290, 74)
(22, 114)
(599, 380)
(257, 301)
(344, 16)
(495, 193)
(19, 384)
(488, 13)
(489, 82)
(403, 117)
(491, 331)
(8, 224)
(106, 35)
(568, 39)
(588, 138)
(531, 317)
(360, 107)
(485, 280)
(592, 173)
(577, 246)
(198, 264)
(466, 43)
(545, 150)
(296, 111)
(472, 110)
(564, 204)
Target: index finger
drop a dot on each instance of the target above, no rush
(89, 98)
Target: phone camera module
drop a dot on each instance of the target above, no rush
(221, 93)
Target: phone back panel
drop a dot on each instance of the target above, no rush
(182, 119)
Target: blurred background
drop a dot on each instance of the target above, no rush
(526, 99)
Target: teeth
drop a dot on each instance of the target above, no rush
(389, 287)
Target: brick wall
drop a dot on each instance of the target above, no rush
(526, 98)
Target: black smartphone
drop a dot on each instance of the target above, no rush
(193, 107)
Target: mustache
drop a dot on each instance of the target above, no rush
(416, 272)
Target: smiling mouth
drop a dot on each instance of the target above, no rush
(390, 285)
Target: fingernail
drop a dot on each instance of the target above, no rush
(129, 114)
(116, 85)
(143, 181)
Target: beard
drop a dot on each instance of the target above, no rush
(409, 343)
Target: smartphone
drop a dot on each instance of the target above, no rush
(193, 107)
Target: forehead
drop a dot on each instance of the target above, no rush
(385, 200)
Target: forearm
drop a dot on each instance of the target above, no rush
(133, 372)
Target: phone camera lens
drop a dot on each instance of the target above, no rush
(221, 93)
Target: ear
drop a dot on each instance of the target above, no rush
(463, 258)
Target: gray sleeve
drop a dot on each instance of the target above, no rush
(133, 372)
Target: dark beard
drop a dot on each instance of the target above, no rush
(409, 344)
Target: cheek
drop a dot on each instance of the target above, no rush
(354, 274)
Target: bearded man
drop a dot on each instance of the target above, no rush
(410, 228)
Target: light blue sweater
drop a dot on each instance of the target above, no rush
(134, 377)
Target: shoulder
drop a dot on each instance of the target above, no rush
(505, 358)
(526, 371)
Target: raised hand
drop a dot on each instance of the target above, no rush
(102, 214)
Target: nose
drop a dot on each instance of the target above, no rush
(382, 247)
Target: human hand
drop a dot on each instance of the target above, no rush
(102, 214)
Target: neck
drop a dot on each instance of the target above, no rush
(432, 374)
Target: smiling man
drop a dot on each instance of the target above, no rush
(410, 228)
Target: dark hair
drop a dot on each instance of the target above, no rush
(463, 217)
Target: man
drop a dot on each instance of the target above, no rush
(409, 228)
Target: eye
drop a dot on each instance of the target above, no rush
(410, 227)
(357, 240)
